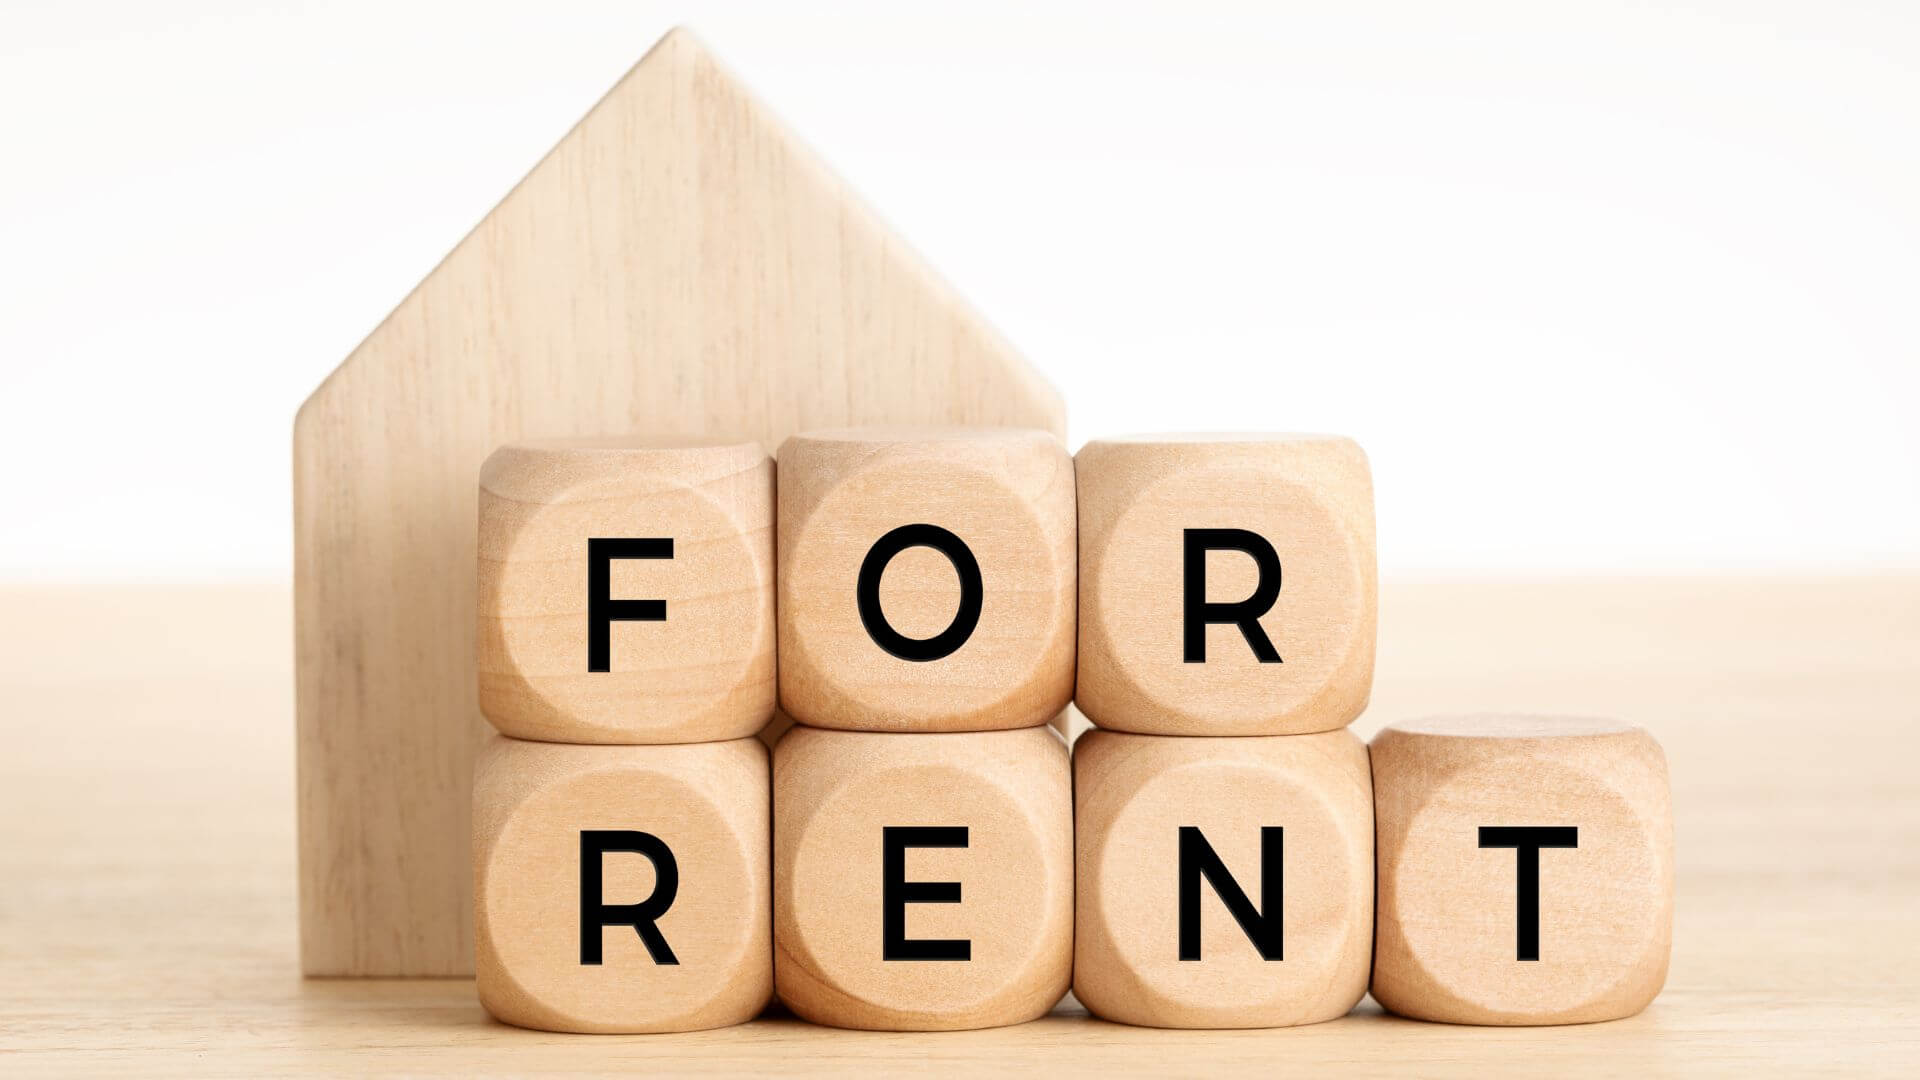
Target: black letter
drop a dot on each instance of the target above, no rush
(1244, 614)
(867, 593)
(596, 916)
(896, 892)
(601, 611)
(1197, 859)
(1527, 840)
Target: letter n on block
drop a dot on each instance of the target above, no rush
(1222, 882)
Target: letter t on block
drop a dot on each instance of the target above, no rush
(1527, 843)
(1525, 869)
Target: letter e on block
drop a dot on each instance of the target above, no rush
(922, 882)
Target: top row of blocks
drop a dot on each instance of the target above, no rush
(926, 581)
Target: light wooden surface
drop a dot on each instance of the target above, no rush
(147, 896)
(677, 265)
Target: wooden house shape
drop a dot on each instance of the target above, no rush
(678, 265)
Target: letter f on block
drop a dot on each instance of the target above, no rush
(602, 610)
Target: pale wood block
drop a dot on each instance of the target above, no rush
(1525, 869)
(922, 882)
(674, 933)
(1222, 882)
(926, 579)
(626, 590)
(1227, 583)
(679, 264)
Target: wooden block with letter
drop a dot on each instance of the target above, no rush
(1227, 584)
(677, 265)
(622, 888)
(1222, 882)
(626, 590)
(922, 881)
(926, 579)
(1525, 869)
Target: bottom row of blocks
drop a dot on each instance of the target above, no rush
(923, 882)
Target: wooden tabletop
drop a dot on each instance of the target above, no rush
(147, 921)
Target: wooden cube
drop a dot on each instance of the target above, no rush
(622, 888)
(1525, 869)
(922, 882)
(926, 579)
(1227, 584)
(626, 591)
(1222, 883)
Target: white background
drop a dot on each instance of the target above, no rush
(1602, 288)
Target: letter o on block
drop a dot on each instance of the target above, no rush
(926, 579)
(1222, 883)
(922, 882)
(1525, 869)
(1227, 584)
(622, 888)
(626, 591)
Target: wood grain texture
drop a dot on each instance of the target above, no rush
(1305, 504)
(1448, 947)
(1007, 497)
(147, 870)
(835, 793)
(676, 265)
(1133, 797)
(705, 803)
(703, 672)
